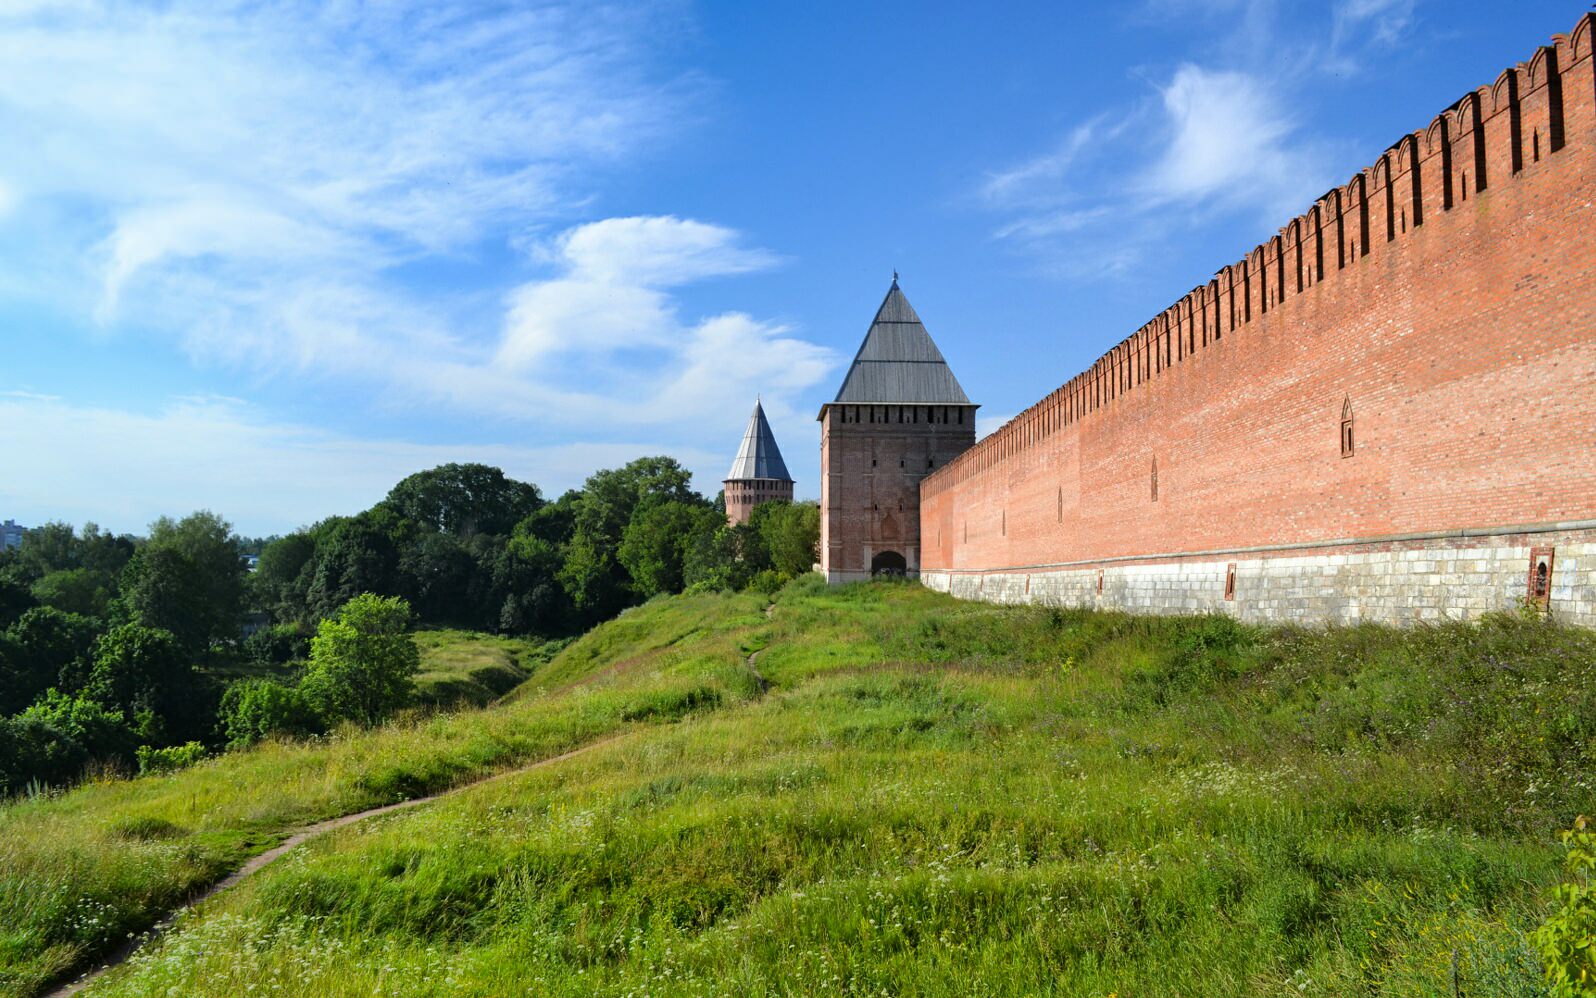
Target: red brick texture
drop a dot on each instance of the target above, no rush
(743, 494)
(872, 460)
(1416, 353)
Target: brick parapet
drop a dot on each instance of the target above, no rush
(1345, 226)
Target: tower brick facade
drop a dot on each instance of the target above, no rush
(899, 415)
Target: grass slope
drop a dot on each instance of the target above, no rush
(470, 667)
(933, 797)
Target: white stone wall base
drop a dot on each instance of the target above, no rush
(1387, 586)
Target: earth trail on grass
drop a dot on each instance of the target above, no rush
(294, 841)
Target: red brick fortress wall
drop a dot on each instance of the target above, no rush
(1411, 360)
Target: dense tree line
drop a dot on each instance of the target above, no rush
(110, 646)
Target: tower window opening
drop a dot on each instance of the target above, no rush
(1346, 427)
(1540, 577)
(1230, 581)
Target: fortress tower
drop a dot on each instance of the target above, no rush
(758, 474)
(899, 415)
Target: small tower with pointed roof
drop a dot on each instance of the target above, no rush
(758, 474)
(899, 415)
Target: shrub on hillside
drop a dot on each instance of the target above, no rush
(1567, 940)
(52, 741)
(768, 581)
(363, 662)
(170, 759)
(253, 709)
(278, 644)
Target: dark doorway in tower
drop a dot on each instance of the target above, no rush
(888, 563)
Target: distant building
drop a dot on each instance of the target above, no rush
(11, 535)
(759, 474)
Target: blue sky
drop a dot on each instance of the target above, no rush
(268, 259)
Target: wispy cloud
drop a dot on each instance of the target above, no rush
(1223, 137)
(1357, 25)
(274, 185)
(1230, 142)
(1213, 143)
(123, 468)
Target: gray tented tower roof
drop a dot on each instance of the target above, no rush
(898, 362)
(758, 457)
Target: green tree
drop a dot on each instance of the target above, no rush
(464, 499)
(526, 585)
(47, 647)
(554, 522)
(45, 549)
(145, 673)
(280, 584)
(354, 555)
(85, 591)
(15, 600)
(656, 543)
(363, 661)
(439, 576)
(790, 533)
(103, 551)
(188, 579)
(593, 575)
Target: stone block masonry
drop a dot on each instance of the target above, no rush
(1390, 583)
(1383, 413)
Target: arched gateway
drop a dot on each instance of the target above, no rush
(888, 563)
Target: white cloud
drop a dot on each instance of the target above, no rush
(1381, 21)
(1022, 182)
(609, 295)
(1229, 141)
(124, 468)
(276, 186)
(656, 252)
(1215, 142)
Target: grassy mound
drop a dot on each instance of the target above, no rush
(932, 797)
(469, 668)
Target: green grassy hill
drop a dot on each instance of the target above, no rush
(900, 794)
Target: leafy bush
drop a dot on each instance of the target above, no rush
(768, 581)
(278, 644)
(169, 760)
(253, 709)
(1567, 940)
(363, 663)
(52, 741)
